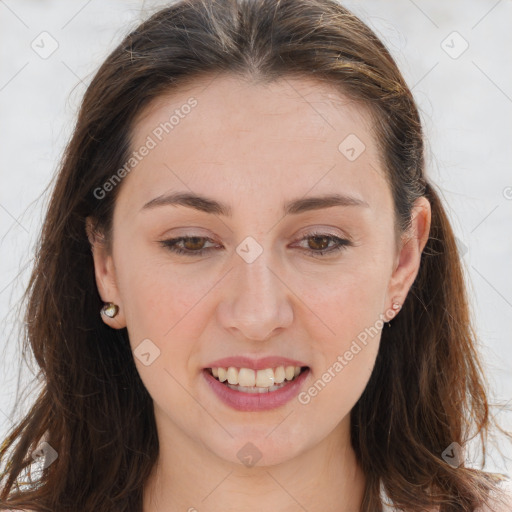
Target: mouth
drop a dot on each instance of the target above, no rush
(248, 389)
(245, 383)
(248, 380)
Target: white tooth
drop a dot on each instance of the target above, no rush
(232, 375)
(289, 372)
(296, 371)
(215, 372)
(265, 378)
(279, 375)
(222, 374)
(246, 377)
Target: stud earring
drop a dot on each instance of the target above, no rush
(110, 309)
(396, 308)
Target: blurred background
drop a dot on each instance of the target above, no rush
(457, 58)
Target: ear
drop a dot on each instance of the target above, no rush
(408, 260)
(105, 274)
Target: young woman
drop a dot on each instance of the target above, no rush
(247, 295)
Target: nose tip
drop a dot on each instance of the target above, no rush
(256, 304)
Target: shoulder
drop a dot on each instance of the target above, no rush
(501, 501)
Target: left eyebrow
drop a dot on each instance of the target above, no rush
(212, 206)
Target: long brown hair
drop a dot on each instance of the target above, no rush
(427, 389)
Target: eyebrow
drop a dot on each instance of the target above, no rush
(293, 207)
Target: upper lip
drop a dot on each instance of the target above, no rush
(255, 364)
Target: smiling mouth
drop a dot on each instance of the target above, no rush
(248, 380)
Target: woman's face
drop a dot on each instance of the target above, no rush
(261, 295)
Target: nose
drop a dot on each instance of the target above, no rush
(257, 300)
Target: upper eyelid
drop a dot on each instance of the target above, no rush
(308, 231)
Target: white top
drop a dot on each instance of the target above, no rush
(502, 504)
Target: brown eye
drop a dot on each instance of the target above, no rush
(195, 243)
(192, 245)
(320, 243)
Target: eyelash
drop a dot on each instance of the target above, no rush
(342, 243)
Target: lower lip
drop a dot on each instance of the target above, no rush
(255, 401)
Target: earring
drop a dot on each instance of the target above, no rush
(110, 309)
(396, 307)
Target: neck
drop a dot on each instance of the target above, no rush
(189, 477)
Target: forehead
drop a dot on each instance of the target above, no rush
(228, 106)
(228, 135)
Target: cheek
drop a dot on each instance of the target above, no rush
(159, 306)
(344, 360)
(165, 311)
(345, 301)
(157, 295)
(348, 312)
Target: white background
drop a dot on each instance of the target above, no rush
(466, 105)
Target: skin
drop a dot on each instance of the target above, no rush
(255, 147)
